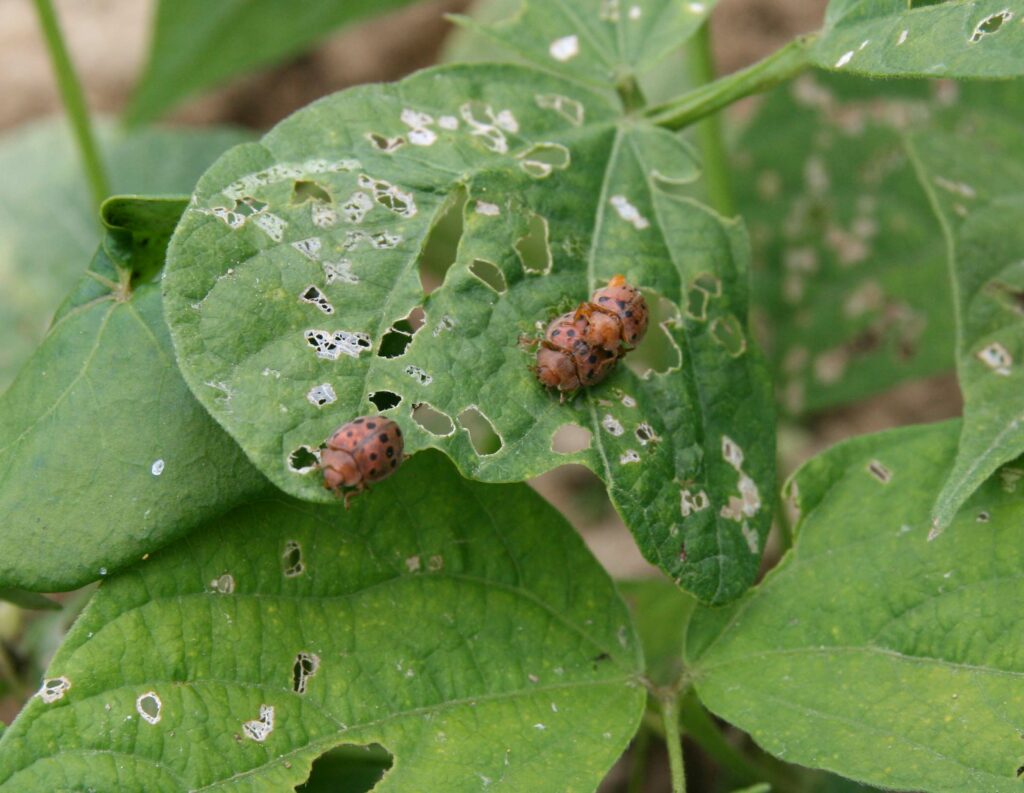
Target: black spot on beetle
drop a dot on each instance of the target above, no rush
(398, 432)
(383, 437)
(348, 434)
(603, 299)
(592, 359)
(359, 421)
(371, 425)
(629, 313)
(555, 333)
(394, 463)
(570, 333)
(373, 455)
(620, 303)
(390, 451)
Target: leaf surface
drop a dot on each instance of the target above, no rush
(974, 178)
(849, 262)
(949, 38)
(869, 651)
(463, 626)
(197, 44)
(105, 455)
(294, 274)
(598, 42)
(48, 225)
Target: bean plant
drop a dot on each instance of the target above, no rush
(450, 631)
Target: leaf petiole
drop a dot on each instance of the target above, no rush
(761, 76)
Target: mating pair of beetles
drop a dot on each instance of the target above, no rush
(580, 348)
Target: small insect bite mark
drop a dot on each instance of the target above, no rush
(997, 358)
(223, 584)
(628, 212)
(565, 48)
(53, 689)
(291, 559)
(880, 472)
(149, 707)
(259, 729)
(305, 666)
(157, 468)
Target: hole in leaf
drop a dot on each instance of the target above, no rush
(728, 332)
(432, 420)
(149, 705)
(482, 434)
(490, 274)
(543, 158)
(385, 400)
(303, 669)
(305, 190)
(384, 143)
(657, 352)
(570, 439)
(442, 243)
(991, 24)
(702, 290)
(303, 460)
(534, 248)
(291, 559)
(352, 769)
(394, 342)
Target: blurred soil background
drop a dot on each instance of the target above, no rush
(108, 42)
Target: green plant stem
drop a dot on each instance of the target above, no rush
(674, 742)
(638, 761)
(709, 129)
(707, 98)
(74, 101)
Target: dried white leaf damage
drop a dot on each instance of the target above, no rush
(291, 559)
(690, 502)
(570, 109)
(259, 729)
(53, 689)
(223, 584)
(628, 212)
(419, 375)
(612, 425)
(749, 501)
(330, 346)
(997, 358)
(565, 48)
(990, 24)
(321, 395)
(306, 665)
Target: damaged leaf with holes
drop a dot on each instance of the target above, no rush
(849, 264)
(557, 192)
(869, 651)
(105, 453)
(976, 184)
(923, 38)
(442, 620)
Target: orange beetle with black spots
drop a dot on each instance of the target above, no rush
(360, 453)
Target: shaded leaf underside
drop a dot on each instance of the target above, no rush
(342, 216)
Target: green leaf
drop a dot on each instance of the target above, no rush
(197, 44)
(462, 626)
(848, 258)
(975, 182)
(48, 228)
(869, 651)
(105, 454)
(28, 600)
(289, 284)
(949, 38)
(600, 45)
